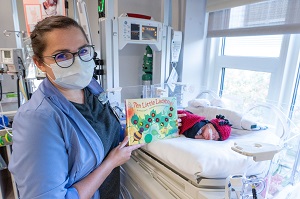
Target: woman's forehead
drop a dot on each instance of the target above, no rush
(68, 39)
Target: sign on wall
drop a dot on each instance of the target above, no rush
(36, 10)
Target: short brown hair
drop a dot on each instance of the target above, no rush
(38, 41)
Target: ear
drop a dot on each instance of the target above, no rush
(39, 63)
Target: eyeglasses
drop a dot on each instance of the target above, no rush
(66, 59)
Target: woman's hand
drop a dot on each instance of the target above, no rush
(179, 120)
(122, 152)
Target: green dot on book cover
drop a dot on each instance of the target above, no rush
(148, 138)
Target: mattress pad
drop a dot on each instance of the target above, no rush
(198, 158)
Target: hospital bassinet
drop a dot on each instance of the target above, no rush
(191, 168)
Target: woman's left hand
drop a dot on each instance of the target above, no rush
(179, 120)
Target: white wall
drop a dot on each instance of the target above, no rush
(6, 21)
(194, 48)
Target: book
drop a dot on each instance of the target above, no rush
(151, 119)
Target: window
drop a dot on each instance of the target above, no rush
(295, 105)
(253, 46)
(249, 65)
(254, 51)
(251, 85)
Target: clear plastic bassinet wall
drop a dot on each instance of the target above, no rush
(282, 177)
(283, 174)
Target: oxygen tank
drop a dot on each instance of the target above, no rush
(147, 68)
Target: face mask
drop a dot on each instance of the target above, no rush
(77, 76)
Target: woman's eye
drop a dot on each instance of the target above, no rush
(83, 51)
(61, 57)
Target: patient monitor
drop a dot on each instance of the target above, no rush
(11, 57)
(140, 31)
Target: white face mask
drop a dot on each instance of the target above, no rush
(77, 76)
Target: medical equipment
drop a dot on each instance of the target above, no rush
(12, 57)
(175, 52)
(176, 46)
(244, 186)
(147, 69)
(139, 31)
(201, 169)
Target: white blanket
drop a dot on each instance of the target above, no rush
(211, 159)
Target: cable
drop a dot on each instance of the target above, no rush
(24, 85)
(254, 194)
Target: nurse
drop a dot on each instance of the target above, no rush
(66, 137)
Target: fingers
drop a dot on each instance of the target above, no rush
(130, 148)
(181, 115)
(124, 142)
(136, 146)
(179, 122)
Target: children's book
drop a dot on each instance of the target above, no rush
(151, 119)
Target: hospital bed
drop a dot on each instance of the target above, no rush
(201, 169)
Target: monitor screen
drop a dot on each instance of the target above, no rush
(7, 54)
(149, 33)
(135, 32)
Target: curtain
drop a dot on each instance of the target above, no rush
(215, 5)
(263, 18)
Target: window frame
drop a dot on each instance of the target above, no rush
(283, 69)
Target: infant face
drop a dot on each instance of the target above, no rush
(207, 132)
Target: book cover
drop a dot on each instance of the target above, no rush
(151, 119)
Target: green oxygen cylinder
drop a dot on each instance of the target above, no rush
(147, 69)
(147, 66)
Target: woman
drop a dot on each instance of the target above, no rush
(66, 140)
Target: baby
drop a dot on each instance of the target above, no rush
(195, 126)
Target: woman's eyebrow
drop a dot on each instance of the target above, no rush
(60, 50)
(66, 50)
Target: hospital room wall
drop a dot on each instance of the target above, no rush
(194, 49)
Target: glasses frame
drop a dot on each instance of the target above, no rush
(54, 56)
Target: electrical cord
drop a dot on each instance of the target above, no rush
(0, 91)
(254, 194)
(24, 85)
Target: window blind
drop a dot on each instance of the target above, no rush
(214, 5)
(263, 18)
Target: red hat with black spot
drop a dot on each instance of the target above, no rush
(222, 126)
(189, 120)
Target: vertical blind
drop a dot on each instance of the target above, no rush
(263, 18)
